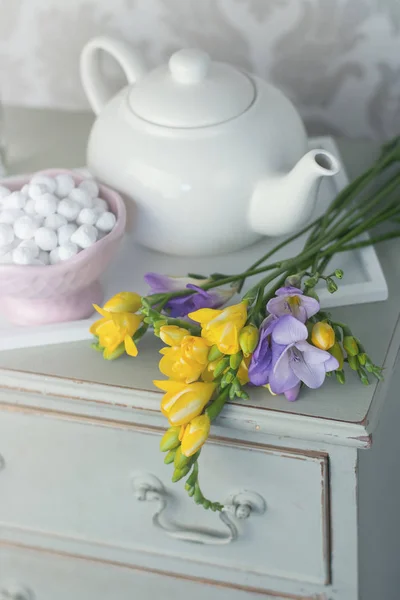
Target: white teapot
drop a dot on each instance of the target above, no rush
(213, 157)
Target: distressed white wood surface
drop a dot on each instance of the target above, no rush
(48, 576)
(94, 500)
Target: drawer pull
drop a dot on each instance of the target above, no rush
(16, 592)
(2, 466)
(238, 506)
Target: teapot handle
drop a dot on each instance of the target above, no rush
(96, 89)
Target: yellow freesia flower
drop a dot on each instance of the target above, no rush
(222, 327)
(322, 335)
(188, 356)
(114, 329)
(195, 434)
(182, 402)
(123, 302)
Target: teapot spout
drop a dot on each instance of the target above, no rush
(283, 203)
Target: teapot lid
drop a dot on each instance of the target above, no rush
(191, 91)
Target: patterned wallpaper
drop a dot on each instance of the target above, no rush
(338, 60)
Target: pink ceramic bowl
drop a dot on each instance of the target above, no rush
(35, 295)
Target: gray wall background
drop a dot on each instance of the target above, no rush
(338, 60)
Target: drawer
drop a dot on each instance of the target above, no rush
(70, 485)
(26, 574)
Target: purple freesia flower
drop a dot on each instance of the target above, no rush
(291, 301)
(294, 360)
(261, 359)
(183, 305)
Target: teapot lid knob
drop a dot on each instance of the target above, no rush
(189, 66)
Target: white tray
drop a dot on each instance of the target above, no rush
(364, 280)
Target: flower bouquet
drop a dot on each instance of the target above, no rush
(275, 336)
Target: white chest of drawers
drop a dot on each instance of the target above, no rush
(87, 510)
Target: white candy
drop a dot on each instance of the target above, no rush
(48, 182)
(82, 197)
(16, 200)
(44, 257)
(69, 209)
(25, 227)
(89, 186)
(46, 205)
(25, 189)
(46, 238)
(84, 236)
(10, 215)
(6, 234)
(30, 207)
(106, 221)
(55, 221)
(67, 251)
(55, 256)
(22, 256)
(10, 247)
(36, 189)
(64, 185)
(87, 216)
(33, 247)
(4, 192)
(100, 205)
(65, 232)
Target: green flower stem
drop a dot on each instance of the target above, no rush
(218, 404)
(374, 240)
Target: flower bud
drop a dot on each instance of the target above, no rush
(221, 365)
(353, 362)
(235, 360)
(170, 439)
(180, 459)
(227, 379)
(311, 282)
(363, 376)
(214, 353)
(179, 473)
(331, 285)
(350, 345)
(169, 458)
(123, 302)
(340, 376)
(293, 281)
(337, 352)
(339, 273)
(172, 335)
(362, 358)
(248, 339)
(322, 335)
(196, 433)
(234, 389)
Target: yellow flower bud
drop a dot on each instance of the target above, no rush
(123, 302)
(182, 402)
(170, 439)
(350, 345)
(248, 339)
(196, 433)
(172, 335)
(337, 352)
(322, 335)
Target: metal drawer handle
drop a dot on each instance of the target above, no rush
(16, 592)
(239, 506)
(2, 466)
